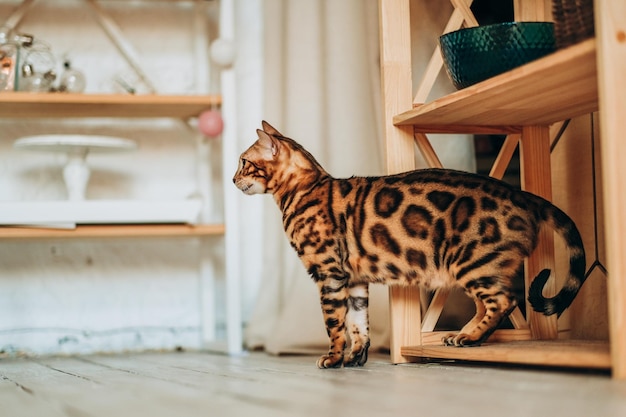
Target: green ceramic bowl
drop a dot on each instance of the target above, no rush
(474, 54)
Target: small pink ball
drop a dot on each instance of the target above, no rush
(210, 123)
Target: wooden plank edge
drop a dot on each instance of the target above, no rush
(113, 231)
(501, 335)
(558, 353)
(20, 97)
(26, 105)
(476, 129)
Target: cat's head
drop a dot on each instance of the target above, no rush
(257, 163)
(273, 162)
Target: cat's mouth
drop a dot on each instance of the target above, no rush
(249, 187)
(245, 188)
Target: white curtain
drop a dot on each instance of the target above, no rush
(321, 88)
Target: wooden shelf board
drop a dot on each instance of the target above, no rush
(101, 231)
(500, 335)
(558, 353)
(467, 128)
(554, 88)
(30, 105)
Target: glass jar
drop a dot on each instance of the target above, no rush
(10, 46)
(72, 80)
(8, 66)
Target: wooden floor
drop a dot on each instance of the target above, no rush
(201, 384)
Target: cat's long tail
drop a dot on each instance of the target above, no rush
(560, 222)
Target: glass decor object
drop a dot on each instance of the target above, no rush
(8, 64)
(72, 80)
(475, 54)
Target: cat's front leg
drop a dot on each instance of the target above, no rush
(334, 300)
(357, 324)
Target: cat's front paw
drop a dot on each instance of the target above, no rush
(329, 361)
(357, 358)
(460, 340)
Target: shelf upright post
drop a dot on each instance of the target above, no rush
(611, 43)
(395, 33)
(537, 178)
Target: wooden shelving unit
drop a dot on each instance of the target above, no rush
(522, 102)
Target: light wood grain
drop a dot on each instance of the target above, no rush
(501, 335)
(396, 82)
(576, 181)
(434, 310)
(537, 179)
(463, 7)
(466, 128)
(427, 151)
(575, 354)
(563, 83)
(117, 231)
(611, 33)
(532, 10)
(406, 319)
(517, 319)
(504, 156)
(395, 36)
(29, 105)
(196, 384)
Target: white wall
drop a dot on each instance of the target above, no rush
(119, 294)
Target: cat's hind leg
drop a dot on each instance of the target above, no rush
(497, 302)
(357, 325)
(448, 340)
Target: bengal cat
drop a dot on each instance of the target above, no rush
(432, 227)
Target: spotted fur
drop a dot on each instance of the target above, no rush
(432, 227)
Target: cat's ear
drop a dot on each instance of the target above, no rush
(269, 145)
(270, 129)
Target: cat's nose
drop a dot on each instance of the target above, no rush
(234, 181)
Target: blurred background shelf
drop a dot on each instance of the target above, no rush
(31, 105)
(99, 212)
(114, 231)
